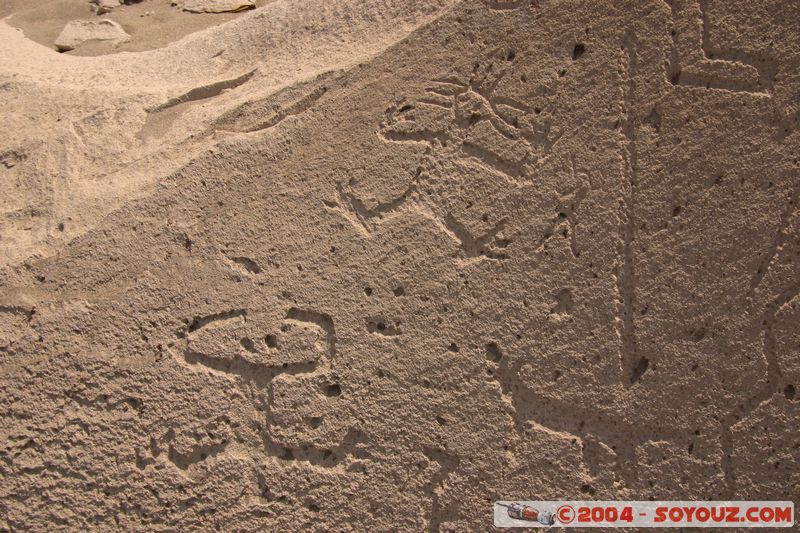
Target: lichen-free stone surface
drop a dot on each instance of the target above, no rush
(217, 6)
(370, 266)
(78, 32)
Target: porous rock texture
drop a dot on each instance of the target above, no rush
(370, 266)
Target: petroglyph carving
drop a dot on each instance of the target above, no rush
(695, 62)
(467, 119)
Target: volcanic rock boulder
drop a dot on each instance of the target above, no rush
(78, 32)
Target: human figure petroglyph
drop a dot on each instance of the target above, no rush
(467, 119)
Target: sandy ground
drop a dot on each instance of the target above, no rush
(151, 23)
(357, 265)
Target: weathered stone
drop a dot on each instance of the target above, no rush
(218, 6)
(78, 32)
(101, 7)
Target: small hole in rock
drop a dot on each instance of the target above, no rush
(248, 344)
(333, 390)
(399, 291)
(493, 352)
(699, 334)
(789, 392)
(639, 370)
(271, 340)
(453, 347)
(368, 291)
(578, 51)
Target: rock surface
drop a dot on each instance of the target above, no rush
(79, 32)
(217, 6)
(352, 265)
(101, 7)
